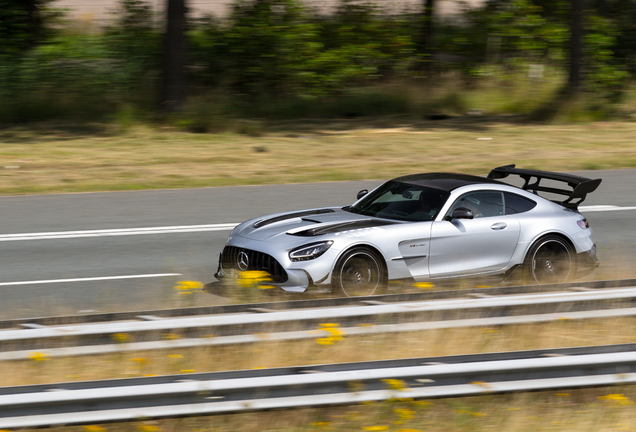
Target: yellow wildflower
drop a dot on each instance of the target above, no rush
(38, 356)
(621, 399)
(253, 278)
(148, 428)
(404, 413)
(121, 337)
(356, 386)
(423, 285)
(141, 361)
(335, 334)
(376, 428)
(170, 336)
(188, 287)
(94, 428)
(396, 384)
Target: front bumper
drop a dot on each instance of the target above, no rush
(291, 280)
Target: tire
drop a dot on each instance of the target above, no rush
(549, 261)
(359, 272)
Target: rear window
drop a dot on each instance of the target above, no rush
(517, 204)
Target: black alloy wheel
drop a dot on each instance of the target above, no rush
(360, 272)
(550, 261)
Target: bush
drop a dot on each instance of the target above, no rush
(277, 47)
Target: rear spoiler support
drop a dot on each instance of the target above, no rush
(581, 186)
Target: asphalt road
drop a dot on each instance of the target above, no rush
(121, 251)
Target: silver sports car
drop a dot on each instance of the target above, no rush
(424, 228)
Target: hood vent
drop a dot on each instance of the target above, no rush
(339, 227)
(264, 222)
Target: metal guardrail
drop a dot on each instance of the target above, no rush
(309, 303)
(237, 391)
(355, 320)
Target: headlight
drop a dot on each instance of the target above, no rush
(310, 251)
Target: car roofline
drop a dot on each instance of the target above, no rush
(445, 181)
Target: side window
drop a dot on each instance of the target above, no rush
(482, 203)
(517, 204)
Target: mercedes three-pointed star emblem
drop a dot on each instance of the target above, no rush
(243, 261)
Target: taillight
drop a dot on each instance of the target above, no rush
(583, 223)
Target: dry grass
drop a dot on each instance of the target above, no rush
(50, 158)
(584, 410)
(579, 410)
(563, 333)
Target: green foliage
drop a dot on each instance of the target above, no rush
(277, 47)
(606, 74)
(134, 43)
(71, 76)
(23, 24)
(282, 59)
(516, 33)
(356, 102)
(83, 75)
(621, 15)
(518, 28)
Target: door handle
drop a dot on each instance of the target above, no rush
(498, 226)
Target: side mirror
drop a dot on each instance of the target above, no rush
(362, 193)
(461, 213)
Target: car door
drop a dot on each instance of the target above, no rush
(470, 246)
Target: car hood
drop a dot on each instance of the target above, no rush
(306, 223)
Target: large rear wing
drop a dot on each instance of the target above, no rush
(581, 186)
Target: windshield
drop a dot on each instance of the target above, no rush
(401, 201)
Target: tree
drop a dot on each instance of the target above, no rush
(426, 37)
(22, 24)
(576, 46)
(174, 86)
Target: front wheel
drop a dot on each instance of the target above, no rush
(549, 261)
(359, 272)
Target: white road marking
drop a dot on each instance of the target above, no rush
(188, 228)
(90, 279)
(116, 232)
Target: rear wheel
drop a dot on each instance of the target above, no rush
(549, 261)
(359, 272)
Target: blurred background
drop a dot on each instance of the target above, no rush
(287, 59)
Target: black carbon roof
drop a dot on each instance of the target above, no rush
(445, 181)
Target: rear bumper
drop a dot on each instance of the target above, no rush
(586, 262)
